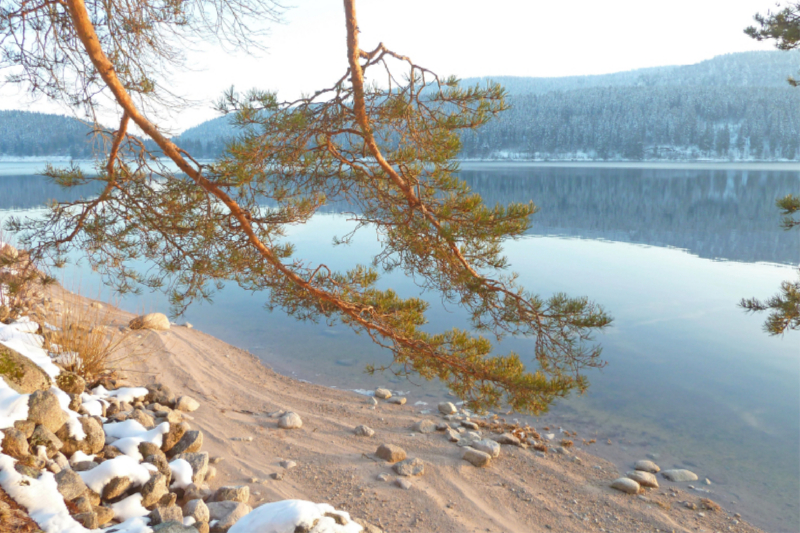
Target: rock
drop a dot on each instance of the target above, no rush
(390, 453)
(143, 418)
(227, 514)
(197, 492)
(425, 426)
(239, 493)
(93, 443)
(290, 421)
(645, 479)
(174, 435)
(44, 409)
(452, 435)
(211, 473)
(161, 515)
(364, 431)
(83, 504)
(15, 443)
(410, 467)
(469, 424)
(507, 438)
(29, 471)
(154, 489)
(157, 393)
(398, 400)
(44, 437)
(199, 464)
(288, 465)
(488, 446)
(70, 484)
(383, 394)
(403, 483)
(156, 321)
(476, 457)
(647, 466)
(187, 404)
(70, 383)
(83, 466)
(174, 526)
(277, 476)
(168, 500)
(626, 485)
(447, 408)
(20, 373)
(116, 488)
(383, 477)
(75, 403)
(677, 475)
(197, 509)
(104, 514)
(148, 448)
(190, 442)
(88, 520)
(25, 426)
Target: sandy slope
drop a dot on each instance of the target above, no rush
(519, 492)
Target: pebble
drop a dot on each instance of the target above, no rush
(403, 483)
(679, 474)
(645, 479)
(287, 464)
(447, 408)
(383, 477)
(290, 421)
(364, 431)
(626, 485)
(410, 467)
(452, 435)
(383, 394)
(425, 426)
(398, 400)
(647, 466)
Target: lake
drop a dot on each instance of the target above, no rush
(667, 250)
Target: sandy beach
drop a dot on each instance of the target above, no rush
(519, 492)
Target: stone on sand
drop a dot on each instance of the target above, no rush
(390, 453)
(679, 474)
(647, 466)
(626, 485)
(290, 421)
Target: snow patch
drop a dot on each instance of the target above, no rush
(290, 515)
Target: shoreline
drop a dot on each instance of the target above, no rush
(519, 492)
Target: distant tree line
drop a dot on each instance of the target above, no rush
(23, 133)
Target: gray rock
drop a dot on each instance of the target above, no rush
(507, 438)
(398, 400)
(626, 485)
(383, 477)
(174, 527)
(364, 431)
(679, 474)
(70, 484)
(160, 462)
(452, 435)
(488, 446)
(44, 437)
(15, 443)
(469, 424)
(190, 442)
(410, 467)
(287, 464)
(383, 394)
(647, 466)
(238, 493)
(88, 520)
(116, 487)
(154, 489)
(143, 418)
(44, 409)
(29, 471)
(92, 443)
(174, 435)
(199, 464)
(227, 514)
(187, 404)
(22, 374)
(403, 483)
(161, 515)
(290, 421)
(425, 426)
(197, 492)
(447, 408)
(476, 457)
(155, 321)
(645, 479)
(390, 453)
(157, 393)
(197, 509)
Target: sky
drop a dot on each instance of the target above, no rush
(462, 37)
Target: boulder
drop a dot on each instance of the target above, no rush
(626, 485)
(452, 435)
(647, 466)
(71, 383)
(507, 438)
(44, 409)
(390, 453)
(488, 446)
(93, 443)
(160, 462)
(15, 443)
(152, 491)
(116, 488)
(383, 394)
(645, 479)
(476, 457)
(679, 474)
(157, 393)
(226, 514)
(364, 431)
(187, 404)
(238, 493)
(290, 421)
(143, 418)
(199, 464)
(174, 435)
(156, 321)
(190, 442)
(447, 408)
(70, 484)
(20, 373)
(162, 515)
(197, 509)
(409, 467)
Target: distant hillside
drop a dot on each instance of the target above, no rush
(23, 133)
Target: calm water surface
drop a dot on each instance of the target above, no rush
(667, 251)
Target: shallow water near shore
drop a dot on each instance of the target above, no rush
(668, 252)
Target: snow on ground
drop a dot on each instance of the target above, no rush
(181, 474)
(122, 466)
(288, 516)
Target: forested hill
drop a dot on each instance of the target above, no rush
(23, 133)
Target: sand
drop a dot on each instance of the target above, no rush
(519, 492)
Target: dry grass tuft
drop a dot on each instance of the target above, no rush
(21, 283)
(710, 505)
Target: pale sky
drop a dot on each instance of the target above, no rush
(468, 38)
